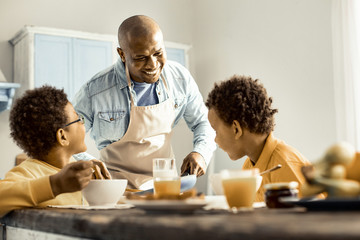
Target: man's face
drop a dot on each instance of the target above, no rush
(144, 56)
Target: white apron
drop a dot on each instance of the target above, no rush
(148, 136)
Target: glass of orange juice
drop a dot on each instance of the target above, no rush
(239, 188)
(166, 180)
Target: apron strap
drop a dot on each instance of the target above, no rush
(129, 84)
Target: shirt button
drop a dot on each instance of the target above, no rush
(111, 119)
(159, 93)
(176, 106)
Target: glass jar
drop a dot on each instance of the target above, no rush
(275, 191)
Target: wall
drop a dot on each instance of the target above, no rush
(285, 43)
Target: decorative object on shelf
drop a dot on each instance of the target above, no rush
(7, 92)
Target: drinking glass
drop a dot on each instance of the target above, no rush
(239, 188)
(166, 180)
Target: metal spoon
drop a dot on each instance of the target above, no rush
(271, 169)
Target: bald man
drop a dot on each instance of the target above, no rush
(132, 107)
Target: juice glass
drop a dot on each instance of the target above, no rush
(239, 188)
(166, 180)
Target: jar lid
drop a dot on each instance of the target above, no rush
(281, 185)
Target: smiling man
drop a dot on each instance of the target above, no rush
(132, 107)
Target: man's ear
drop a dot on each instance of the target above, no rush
(121, 54)
(61, 137)
(238, 132)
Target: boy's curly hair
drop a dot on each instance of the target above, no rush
(35, 118)
(243, 99)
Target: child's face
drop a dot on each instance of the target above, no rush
(225, 135)
(76, 131)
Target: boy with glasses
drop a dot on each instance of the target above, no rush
(45, 125)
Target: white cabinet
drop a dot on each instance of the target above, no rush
(61, 58)
(67, 59)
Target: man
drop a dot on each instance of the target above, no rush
(132, 106)
(45, 125)
(240, 113)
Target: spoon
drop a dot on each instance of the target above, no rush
(271, 169)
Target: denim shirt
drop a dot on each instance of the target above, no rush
(104, 101)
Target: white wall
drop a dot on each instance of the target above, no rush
(285, 43)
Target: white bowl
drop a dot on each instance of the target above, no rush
(104, 192)
(216, 183)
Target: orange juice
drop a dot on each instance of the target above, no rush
(240, 192)
(167, 186)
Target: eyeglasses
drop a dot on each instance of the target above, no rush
(81, 119)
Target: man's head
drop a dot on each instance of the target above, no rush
(142, 48)
(39, 121)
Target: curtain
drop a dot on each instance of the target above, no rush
(346, 59)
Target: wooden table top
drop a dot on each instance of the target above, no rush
(262, 223)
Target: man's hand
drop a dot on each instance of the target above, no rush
(101, 172)
(73, 177)
(195, 163)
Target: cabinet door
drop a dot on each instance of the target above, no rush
(53, 61)
(177, 55)
(68, 63)
(90, 57)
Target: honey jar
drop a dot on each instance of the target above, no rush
(275, 191)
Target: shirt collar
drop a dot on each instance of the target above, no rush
(269, 147)
(120, 73)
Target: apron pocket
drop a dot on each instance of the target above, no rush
(112, 124)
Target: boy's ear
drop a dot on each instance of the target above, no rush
(238, 132)
(61, 137)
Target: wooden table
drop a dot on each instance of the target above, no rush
(262, 223)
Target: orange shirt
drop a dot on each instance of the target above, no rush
(278, 152)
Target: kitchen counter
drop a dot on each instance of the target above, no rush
(261, 223)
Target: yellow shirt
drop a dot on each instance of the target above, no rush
(28, 185)
(278, 152)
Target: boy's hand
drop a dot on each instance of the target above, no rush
(101, 172)
(73, 177)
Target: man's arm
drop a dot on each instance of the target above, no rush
(21, 192)
(195, 116)
(21, 189)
